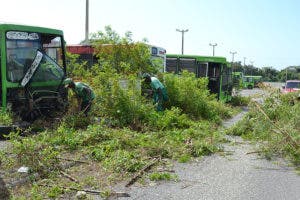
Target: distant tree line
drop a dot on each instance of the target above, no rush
(268, 73)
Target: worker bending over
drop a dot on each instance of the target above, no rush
(159, 91)
(84, 94)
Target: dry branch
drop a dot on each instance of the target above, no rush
(79, 161)
(253, 152)
(69, 177)
(141, 172)
(289, 138)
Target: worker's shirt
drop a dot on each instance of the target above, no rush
(84, 92)
(159, 90)
(156, 84)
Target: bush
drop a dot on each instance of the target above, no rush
(192, 96)
(240, 101)
(6, 118)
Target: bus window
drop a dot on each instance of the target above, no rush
(154, 51)
(172, 65)
(188, 64)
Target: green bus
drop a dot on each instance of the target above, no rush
(33, 67)
(237, 79)
(216, 69)
(250, 82)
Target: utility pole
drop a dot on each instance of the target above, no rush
(86, 40)
(233, 52)
(182, 38)
(252, 67)
(244, 65)
(213, 45)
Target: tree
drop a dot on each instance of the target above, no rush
(121, 53)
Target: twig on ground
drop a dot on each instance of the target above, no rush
(69, 177)
(253, 152)
(141, 172)
(79, 161)
(166, 170)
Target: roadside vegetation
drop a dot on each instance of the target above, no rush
(6, 118)
(275, 125)
(123, 132)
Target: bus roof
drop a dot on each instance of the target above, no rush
(16, 27)
(200, 58)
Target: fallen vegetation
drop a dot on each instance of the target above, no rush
(275, 124)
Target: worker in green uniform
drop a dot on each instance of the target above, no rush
(85, 95)
(159, 91)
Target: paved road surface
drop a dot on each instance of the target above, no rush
(227, 177)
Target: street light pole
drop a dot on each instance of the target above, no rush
(233, 52)
(182, 38)
(244, 65)
(252, 67)
(86, 41)
(213, 45)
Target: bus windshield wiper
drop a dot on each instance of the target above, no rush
(32, 68)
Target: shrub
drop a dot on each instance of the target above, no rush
(192, 96)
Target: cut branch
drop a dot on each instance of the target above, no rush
(79, 161)
(289, 138)
(69, 177)
(141, 172)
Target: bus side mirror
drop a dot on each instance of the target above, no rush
(283, 86)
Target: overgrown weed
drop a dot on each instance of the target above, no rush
(275, 124)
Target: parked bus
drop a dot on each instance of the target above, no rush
(216, 69)
(158, 54)
(33, 68)
(250, 82)
(237, 80)
(87, 53)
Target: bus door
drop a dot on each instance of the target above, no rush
(226, 84)
(188, 64)
(202, 69)
(214, 74)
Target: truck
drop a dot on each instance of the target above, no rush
(33, 67)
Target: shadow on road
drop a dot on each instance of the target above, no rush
(4, 193)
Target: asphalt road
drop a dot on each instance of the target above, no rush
(238, 174)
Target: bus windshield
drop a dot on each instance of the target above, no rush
(21, 50)
(295, 84)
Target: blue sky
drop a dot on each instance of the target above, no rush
(264, 31)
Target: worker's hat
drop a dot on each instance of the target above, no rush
(145, 75)
(67, 82)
